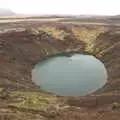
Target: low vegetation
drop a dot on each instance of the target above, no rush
(52, 31)
(20, 51)
(37, 101)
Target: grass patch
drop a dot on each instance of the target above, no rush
(87, 36)
(52, 31)
(37, 101)
(7, 20)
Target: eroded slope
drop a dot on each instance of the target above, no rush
(20, 51)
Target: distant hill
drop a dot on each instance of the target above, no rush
(6, 12)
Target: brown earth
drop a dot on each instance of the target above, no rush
(20, 51)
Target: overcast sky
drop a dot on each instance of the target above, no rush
(100, 7)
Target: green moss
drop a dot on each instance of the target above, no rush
(50, 30)
(37, 100)
(88, 37)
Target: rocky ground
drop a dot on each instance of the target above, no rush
(21, 49)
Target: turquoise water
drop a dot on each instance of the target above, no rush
(74, 75)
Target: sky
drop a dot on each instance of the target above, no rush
(72, 7)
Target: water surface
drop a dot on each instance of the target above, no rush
(73, 75)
